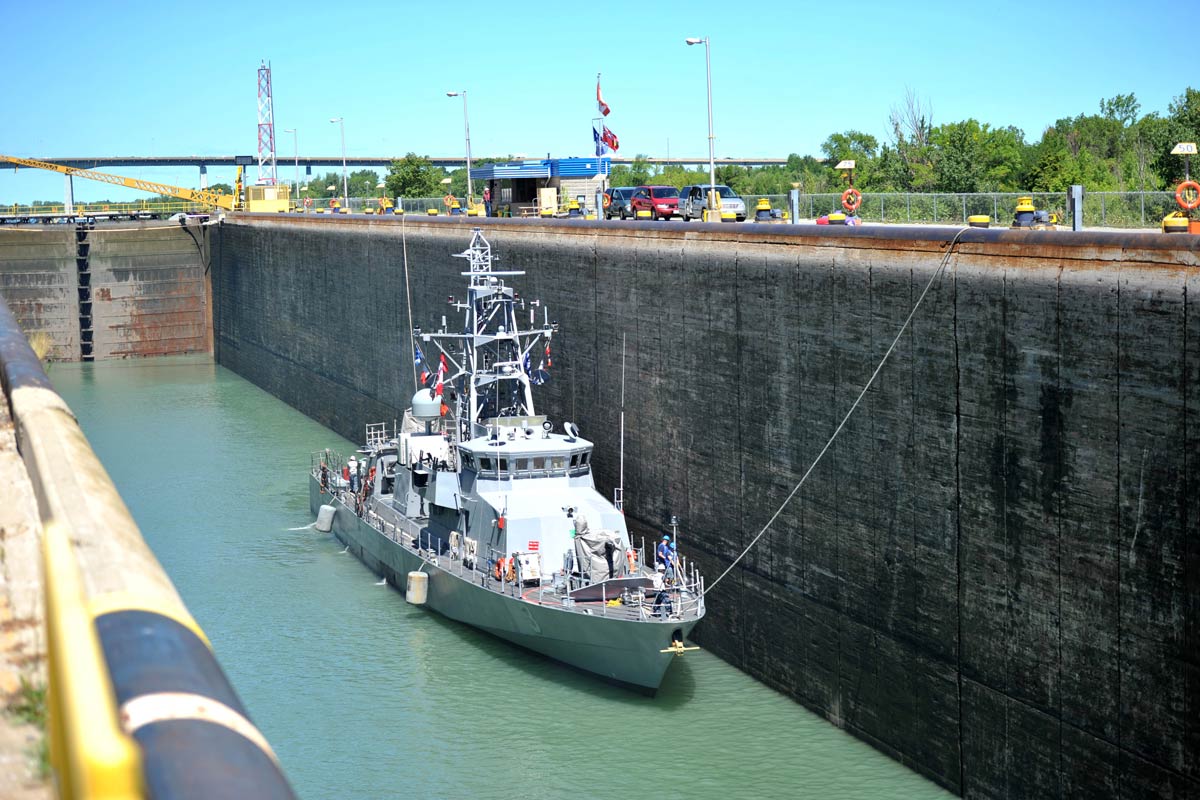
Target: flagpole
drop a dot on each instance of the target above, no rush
(603, 180)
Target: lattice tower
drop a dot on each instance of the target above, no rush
(266, 128)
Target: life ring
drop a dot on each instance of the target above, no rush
(504, 567)
(1194, 194)
(332, 203)
(308, 202)
(631, 556)
(607, 199)
(448, 200)
(851, 199)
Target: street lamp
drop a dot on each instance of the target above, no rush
(467, 133)
(345, 185)
(296, 150)
(712, 168)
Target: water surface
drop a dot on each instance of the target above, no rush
(364, 696)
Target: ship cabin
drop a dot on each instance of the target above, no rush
(534, 486)
(518, 457)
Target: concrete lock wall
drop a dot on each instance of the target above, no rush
(993, 575)
(147, 285)
(37, 280)
(148, 291)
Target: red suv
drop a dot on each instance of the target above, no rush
(661, 201)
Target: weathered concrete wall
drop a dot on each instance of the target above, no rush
(146, 283)
(148, 291)
(37, 280)
(994, 574)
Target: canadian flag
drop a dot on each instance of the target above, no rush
(603, 106)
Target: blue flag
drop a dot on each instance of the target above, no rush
(418, 356)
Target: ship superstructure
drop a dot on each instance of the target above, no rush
(479, 492)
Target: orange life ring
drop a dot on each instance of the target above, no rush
(308, 202)
(631, 555)
(504, 567)
(851, 204)
(607, 199)
(1194, 194)
(333, 203)
(448, 200)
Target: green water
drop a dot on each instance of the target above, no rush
(364, 696)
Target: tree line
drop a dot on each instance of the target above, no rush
(1116, 149)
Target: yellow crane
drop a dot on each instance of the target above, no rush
(219, 199)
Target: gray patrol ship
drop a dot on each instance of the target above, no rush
(489, 516)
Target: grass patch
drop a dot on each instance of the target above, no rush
(29, 706)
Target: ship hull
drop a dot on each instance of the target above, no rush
(620, 650)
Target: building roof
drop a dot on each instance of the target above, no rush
(543, 168)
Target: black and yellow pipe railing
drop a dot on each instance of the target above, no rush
(139, 705)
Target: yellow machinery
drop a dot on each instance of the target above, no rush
(260, 198)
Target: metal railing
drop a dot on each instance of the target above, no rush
(682, 600)
(1100, 209)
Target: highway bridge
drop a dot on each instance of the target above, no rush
(449, 162)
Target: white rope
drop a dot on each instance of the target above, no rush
(408, 291)
(845, 419)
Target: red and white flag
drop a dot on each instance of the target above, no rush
(603, 106)
(610, 139)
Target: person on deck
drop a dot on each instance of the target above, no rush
(662, 554)
(352, 466)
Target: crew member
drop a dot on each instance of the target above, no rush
(352, 467)
(662, 555)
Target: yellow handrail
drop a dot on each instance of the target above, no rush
(93, 757)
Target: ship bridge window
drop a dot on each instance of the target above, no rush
(539, 463)
(485, 464)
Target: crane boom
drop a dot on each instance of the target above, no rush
(219, 199)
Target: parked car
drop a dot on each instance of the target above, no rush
(661, 201)
(619, 207)
(691, 202)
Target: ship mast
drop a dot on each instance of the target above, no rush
(491, 360)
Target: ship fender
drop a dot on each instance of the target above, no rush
(417, 591)
(324, 521)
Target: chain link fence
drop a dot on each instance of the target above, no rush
(1100, 209)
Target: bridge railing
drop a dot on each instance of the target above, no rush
(138, 705)
(1100, 209)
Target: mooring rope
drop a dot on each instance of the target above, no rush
(408, 291)
(846, 418)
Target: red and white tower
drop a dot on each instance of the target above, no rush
(266, 128)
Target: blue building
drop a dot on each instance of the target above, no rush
(522, 188)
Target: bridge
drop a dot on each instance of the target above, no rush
(203, 162)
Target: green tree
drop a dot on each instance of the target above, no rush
(413, 176)
(636, 174)
(363, 183)
(223, 188)
(862, 147)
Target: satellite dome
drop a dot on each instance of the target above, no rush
(425, 406)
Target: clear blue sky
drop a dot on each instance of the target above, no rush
(179, 78)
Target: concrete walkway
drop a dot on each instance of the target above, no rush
(22, 634)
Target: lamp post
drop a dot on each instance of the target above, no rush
(467, 134)
(296, 151)
(345, 186)
(712, 168)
